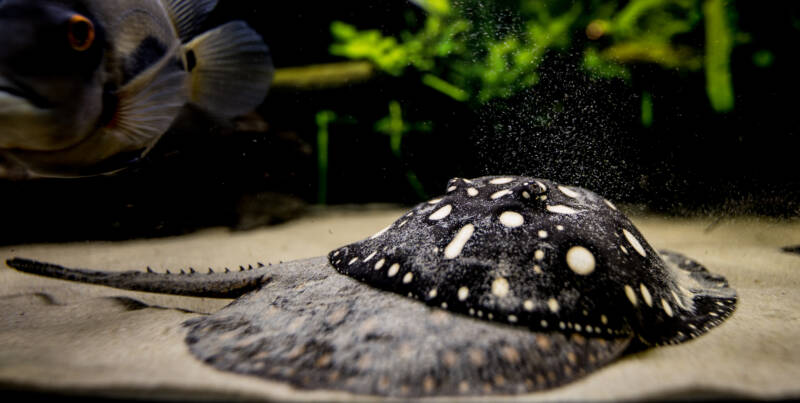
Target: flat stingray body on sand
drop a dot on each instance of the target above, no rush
(504, 285)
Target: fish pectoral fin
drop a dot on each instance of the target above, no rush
(147, 106)
(188, 15)
(230, 69)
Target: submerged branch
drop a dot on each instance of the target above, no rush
(323, 75)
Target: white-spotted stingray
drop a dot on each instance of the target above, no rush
(504, 285)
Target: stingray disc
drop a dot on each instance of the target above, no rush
(504, 285)
(316, 329)
(530, 252)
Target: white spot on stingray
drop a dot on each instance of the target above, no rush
(452, 188)
(434, 201)
(604, 319)
(648, 299)
(543, 323)
(432, 293)
(634, 242)
(336, 253)
(580, 260)
(568, 192)
(457, 244)
(528, 305)
(543, 197)
(678, 300)
(561, 209)
(578, 327)
(441, 213)
(541, 186)
(370, 256)
(526, 195)
(609, 204)
(542, 234)
(511, 219)
(463, 293)
(353, 260)
(393, 269)
(512, 318)
(408, 277)
(444, 305)
(539, 254)
(667, 308)
(379, 233)
(467, 181)
(501, 181)
(497, 195)
(631, 295)
(560, 227)
(500, 287)
(553, 305)
(472, 192)
(624, 249)
(537, 269)
(561, 325)
(379, 264)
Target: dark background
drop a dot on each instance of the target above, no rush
(205, 172)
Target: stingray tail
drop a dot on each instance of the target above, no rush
(226, 284)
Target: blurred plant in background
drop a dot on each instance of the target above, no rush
(525, 85)
(476, 51)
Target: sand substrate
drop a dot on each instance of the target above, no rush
(63, 337)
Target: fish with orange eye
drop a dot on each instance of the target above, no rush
(88, 87)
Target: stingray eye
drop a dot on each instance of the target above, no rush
(80, 32)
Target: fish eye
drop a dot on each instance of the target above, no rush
(80, 32)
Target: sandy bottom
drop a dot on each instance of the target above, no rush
(64, 337)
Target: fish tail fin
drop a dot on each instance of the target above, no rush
(228, 284)
(230, 69)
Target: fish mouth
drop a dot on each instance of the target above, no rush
(13, 91)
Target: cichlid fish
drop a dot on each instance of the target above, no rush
(89, 86)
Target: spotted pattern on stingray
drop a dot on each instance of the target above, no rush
(578, 275)
(333, 332)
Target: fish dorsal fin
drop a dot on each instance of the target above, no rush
(230, 69)
(148, 104)
(188, 15)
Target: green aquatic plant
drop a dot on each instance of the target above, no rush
(475, 51)
(395, 127)
(719, 44)
(324, 118)
(647, 109)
